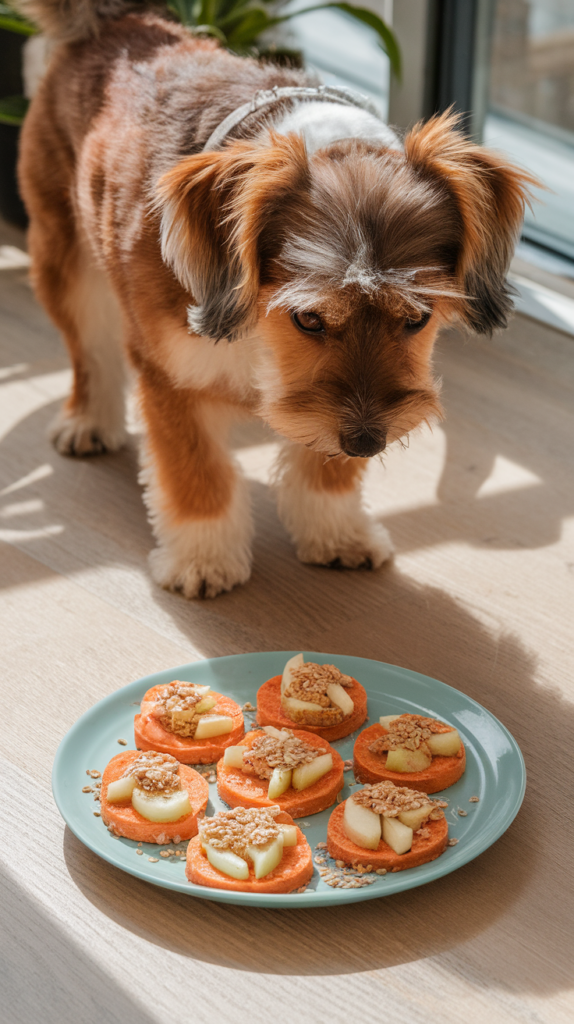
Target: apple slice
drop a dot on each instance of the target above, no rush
(213, 725)
(206, 704)
(293, 704)
(279, 782)
(416, 817)
(233, 756)
(445, 743)
(306, 774)
(398, 836)
(227, 862)
(289, 834)
(340, 697)
(404, 760)
(157, 807)
(121, 789)
(362, 825)
(266, 858)
(297, 661)
(385, 720)
(278, 734)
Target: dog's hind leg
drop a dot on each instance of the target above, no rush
(80, 301)
(319, 503)
(198, 503)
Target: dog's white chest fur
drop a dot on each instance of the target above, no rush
(322, 123)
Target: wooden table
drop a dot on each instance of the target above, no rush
(479, 595)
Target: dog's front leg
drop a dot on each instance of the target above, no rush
(198, 504)
(319, 503)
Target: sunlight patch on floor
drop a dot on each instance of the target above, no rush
(507, 476)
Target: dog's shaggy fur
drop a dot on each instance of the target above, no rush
(301, 281)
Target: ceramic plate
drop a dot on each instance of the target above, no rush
(495, 771)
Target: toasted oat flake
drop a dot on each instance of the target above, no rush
(239, 828)
(462, 813)
(452, 842)
(96, 814)
(87, 789)
(269, 752)
(139, 852)
(387, 799)
(153, 860)
(154, 772)
(321, 846)
(473, 799)
(93, 773)
(123, 743)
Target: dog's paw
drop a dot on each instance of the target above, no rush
(368, 547)
(77, 434)
(199, 576)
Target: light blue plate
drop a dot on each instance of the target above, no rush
(495, 771)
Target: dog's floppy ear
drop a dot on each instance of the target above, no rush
(214, 207)
(490, 195)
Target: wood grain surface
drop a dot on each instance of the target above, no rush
(480, 595)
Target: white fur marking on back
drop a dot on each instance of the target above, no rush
(321, 123)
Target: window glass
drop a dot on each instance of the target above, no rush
(531, 107)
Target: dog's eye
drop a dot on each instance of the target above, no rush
(412, 326)
(309, 323)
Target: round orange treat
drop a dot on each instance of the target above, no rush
(270, 712)
(294, 870)
(423, 850)
(239, 789)
(150, 734)
(128, 822)
(369, 767)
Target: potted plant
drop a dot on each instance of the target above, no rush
(239, 24)
(14, 32)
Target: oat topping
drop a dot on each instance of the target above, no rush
(388, 799)
(310, 682)
(269, 752)
(176, 707)
(408, 731)
(156, 773)
(242, 827)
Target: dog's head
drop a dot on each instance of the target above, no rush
(345, 265)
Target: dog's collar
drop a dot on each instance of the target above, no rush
(267, 98)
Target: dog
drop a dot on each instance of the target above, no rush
(254, 244)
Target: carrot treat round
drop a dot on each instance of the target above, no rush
(317, 698)
(387, 826)
(410, 750)
(256, 849)
(151, 797)
(296, 770)
(188, 721)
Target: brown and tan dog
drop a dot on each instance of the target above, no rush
(297, 265)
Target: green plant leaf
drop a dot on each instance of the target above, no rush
(387, 38)
(251, 24)
(13, 109)
(210, 30)
(13, 21)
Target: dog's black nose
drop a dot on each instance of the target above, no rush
(364, 444)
